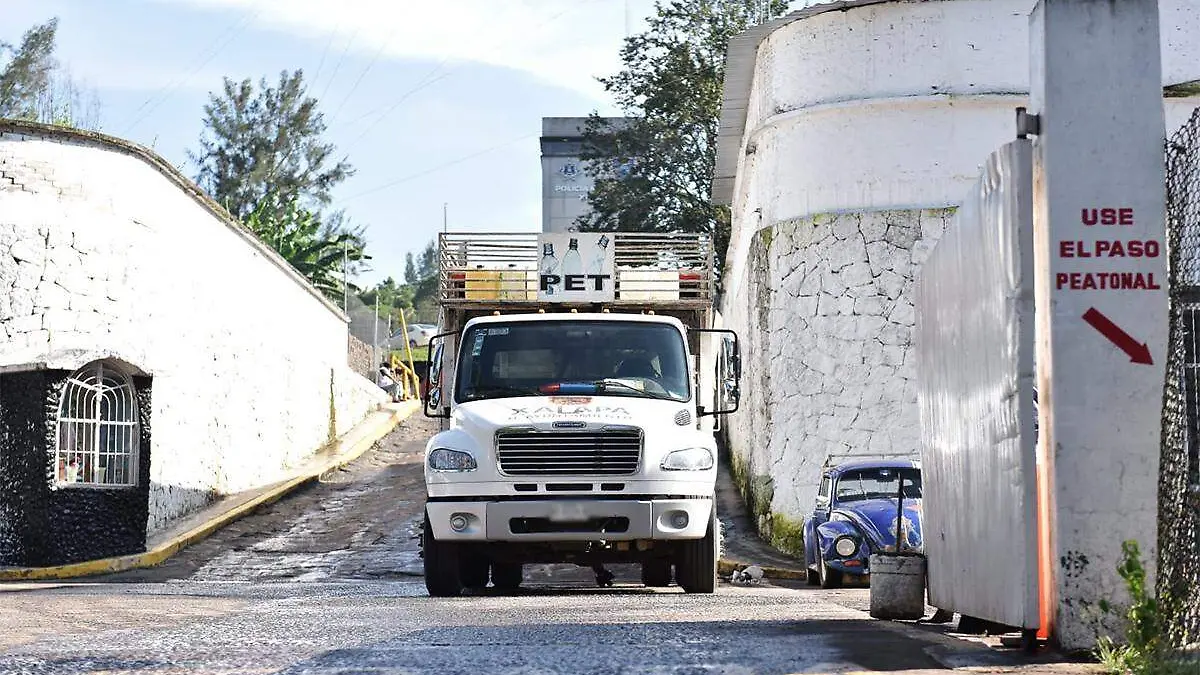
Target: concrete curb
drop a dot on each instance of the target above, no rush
(725, 567)
(170, 547)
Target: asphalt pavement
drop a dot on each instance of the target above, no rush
(328, 580)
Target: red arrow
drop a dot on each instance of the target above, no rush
(1138, 351)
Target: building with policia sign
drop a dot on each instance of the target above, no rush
(565, 179)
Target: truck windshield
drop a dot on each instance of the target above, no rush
(538, 358)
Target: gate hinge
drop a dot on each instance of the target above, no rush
(1028, 125)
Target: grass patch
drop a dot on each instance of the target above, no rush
(419, 354)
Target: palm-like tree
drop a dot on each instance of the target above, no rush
(318, 253)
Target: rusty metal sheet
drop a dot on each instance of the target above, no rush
(975, 350)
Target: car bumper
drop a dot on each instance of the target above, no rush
(570, 520)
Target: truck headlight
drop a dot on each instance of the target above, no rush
(690, 459)
(443, 459)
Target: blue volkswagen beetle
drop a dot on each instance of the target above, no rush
(855, 516)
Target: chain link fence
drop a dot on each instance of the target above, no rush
(1179, 477)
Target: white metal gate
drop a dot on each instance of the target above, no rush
(975, 346)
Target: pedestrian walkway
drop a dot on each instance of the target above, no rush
(742, 545)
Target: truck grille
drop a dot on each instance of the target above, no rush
(613, 452)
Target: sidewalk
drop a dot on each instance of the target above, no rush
(742, 545)
(193, 528)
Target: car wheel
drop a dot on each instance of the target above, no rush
(473, 570)
(812, 576)
(442, 574)
(656, 573)
(412, 344)
(696, 567)
(829, 577)
(507, 576)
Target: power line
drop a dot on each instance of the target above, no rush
(370, 65)
(439, 167)
(337, 66)
(163, 94)
(426, 82)
(328, 43)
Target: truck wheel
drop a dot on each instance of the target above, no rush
(442, 578)
(656, 573)
(473, 570)
(507, 576)
(696, 568)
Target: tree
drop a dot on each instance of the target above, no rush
(33, 86)
(300, 237)
(27, 72)
(263, 146)
(654, 170)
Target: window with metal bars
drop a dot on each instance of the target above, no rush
(97, 429)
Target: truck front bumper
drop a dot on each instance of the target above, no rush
(570, 520)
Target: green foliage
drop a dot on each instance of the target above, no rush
(27, 72)
(299, 236)
(1145, 651)
(416, 297)
(34, 87)
(654, 171)
(265, 142)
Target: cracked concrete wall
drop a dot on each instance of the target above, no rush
(103, 254)
(827, 313)
(864, 128)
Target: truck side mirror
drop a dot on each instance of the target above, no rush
(729, 373)
(432, 402)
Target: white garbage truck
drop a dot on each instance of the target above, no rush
(579, 384)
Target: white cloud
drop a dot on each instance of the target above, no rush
(562, 42)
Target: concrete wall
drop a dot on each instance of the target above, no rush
(863, 128)
(850, 132)
(107, 252)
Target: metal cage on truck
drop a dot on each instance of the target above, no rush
(501, 269)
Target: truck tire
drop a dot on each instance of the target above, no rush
(696, 567)
(656, 573)
(442, 574)
(473, 570)
(507, 576)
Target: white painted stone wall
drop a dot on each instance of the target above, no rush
(865, 125)
(105, 253)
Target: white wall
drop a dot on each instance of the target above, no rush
(866, 120)
(106, 253)
(862, 127)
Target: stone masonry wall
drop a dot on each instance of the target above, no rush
(826, 310)
(108, 252)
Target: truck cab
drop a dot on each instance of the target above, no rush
(577, 429)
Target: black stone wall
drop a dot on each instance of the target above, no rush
(41, 525)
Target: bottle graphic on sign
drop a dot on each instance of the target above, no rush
(572, 264)
(549, 265)
(596, 266)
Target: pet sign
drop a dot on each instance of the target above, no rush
(576, 267)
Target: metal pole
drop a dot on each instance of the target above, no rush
(345, 278)
(900, 539)
(375, 341)
(445, 217)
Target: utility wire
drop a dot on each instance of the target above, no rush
(426, 81)
(165, 93)
(439, 167)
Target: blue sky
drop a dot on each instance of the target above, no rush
(408, 88)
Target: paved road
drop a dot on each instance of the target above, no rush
(326, 581)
